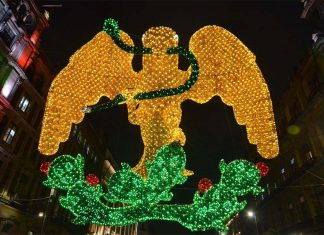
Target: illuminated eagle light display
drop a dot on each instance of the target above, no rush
(220, 65)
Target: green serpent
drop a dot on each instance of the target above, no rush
(112, 29)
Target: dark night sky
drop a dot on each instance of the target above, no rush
(270, 29)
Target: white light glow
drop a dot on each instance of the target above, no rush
(6, 89)
(250, 213)
(9, 84)
(46, 14)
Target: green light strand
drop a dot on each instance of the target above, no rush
(211, 210)
(107, 105)
(180, 89)
(162, 92)
(112, 29)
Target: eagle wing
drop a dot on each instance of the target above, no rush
(99, 68)
(228, 69)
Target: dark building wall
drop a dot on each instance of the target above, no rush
(107, 170)
(293, 202)
(25, 77)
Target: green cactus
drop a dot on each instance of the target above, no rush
(65, 171)
(211, 210)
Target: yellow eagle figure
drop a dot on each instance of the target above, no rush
(220, 65)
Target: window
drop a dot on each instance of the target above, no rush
(79, 138)
(5, 70)
(23, 103)
(268, 189)
(10, 83)
(301, 199)
(309, 155)
(7, 35)
(21, 10)
(307, 152)
(47, 14)
(283, 174)
(9, 134)
(74, 130)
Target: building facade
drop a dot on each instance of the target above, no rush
(25, 78)
(293, 201)
(98, 160)
(26, 206)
